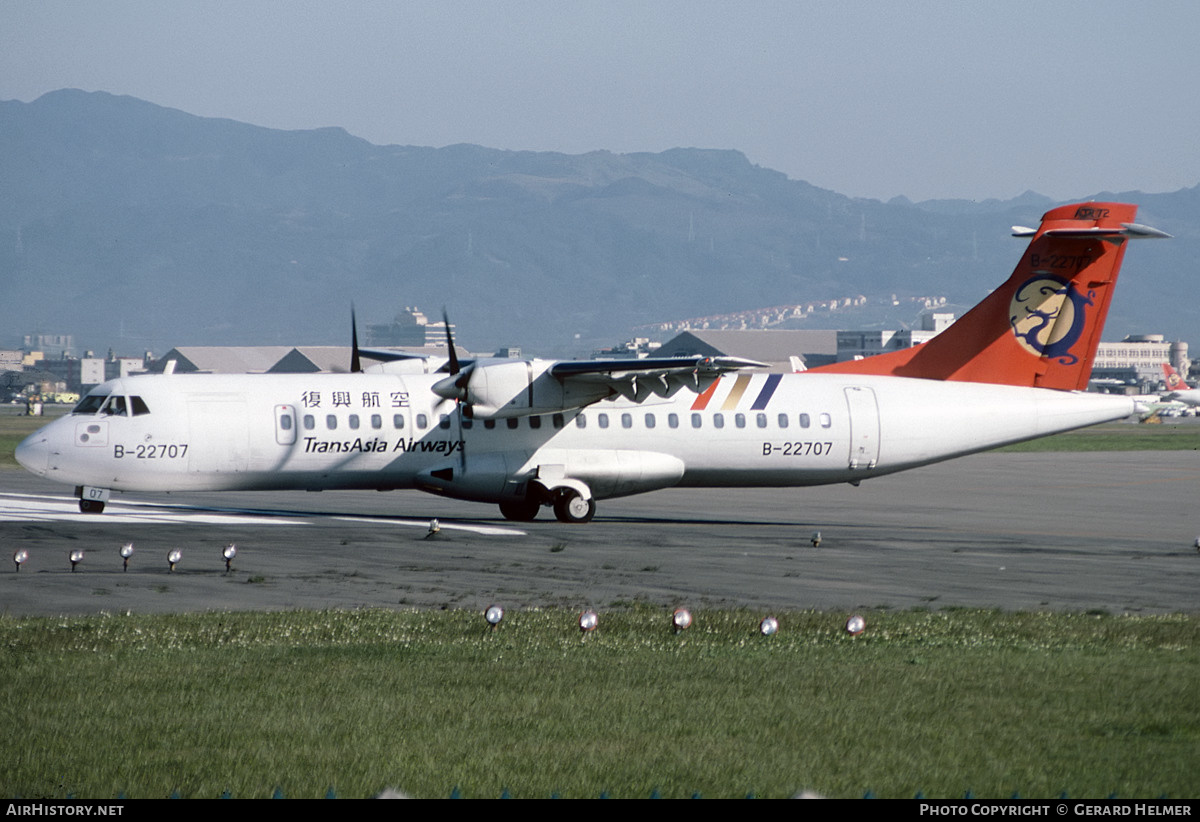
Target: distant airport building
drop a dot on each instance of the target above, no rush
(52, 346)
(12, 360)
(855, 345)
(1137, 360)
(635, 349)
(274, 359)
(408, 328)
(221, 359)
(770, 346)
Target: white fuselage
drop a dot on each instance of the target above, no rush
(388, 431)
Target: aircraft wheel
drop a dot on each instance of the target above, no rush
(522, 510)
(88, 506)
(572, 508)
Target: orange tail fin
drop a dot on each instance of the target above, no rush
(1173, 380)
(1041, 328)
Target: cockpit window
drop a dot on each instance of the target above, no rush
(138, 405)
(90, 404)
(115, 407)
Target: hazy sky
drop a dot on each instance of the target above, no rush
(872, 99)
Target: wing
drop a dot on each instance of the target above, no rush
(638, 379)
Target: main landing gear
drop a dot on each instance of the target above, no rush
(571, 507)
(568, 503)
(90, 506)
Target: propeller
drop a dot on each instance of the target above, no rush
(355, 359)
(453, 364)
(453, 387)
(459, 383)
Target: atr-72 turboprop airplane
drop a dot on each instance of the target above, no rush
(528, 433)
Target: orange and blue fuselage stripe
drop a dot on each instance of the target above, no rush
(740, 385)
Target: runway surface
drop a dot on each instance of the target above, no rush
(1073, 532)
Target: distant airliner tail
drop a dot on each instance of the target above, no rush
(1041, 327)
(1173, 380)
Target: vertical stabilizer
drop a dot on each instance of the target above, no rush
(1041, 327)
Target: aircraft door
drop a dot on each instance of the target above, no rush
(864, 426)
(285, 425)
(219, 436)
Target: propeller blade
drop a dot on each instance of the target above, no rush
(454, 369)
(355, 360)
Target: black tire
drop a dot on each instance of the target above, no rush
(522, 510)
(88, 506)
(570, 507)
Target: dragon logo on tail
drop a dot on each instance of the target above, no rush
(1048, 316)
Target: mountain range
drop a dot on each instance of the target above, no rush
(138, 227)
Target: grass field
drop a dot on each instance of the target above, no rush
(935, 702)
(940, 703)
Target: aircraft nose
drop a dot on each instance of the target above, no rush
(33, 452)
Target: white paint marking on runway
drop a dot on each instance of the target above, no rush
(30, 508)
(26, 508)
(485, 530)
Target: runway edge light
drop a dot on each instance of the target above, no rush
(681, 620)
(494, 614)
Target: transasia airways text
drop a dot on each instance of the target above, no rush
(313, 445)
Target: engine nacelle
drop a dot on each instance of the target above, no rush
(521, 388)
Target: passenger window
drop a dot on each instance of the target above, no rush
(627, 420)
(581, 421)
(354, 422)
(331, 422)
(376, 421)
(602, 420)
(422, 421)
(650, 421)
(697, 421)
(672, 420)
(513, 422)
(761, 420)
(535, 422)
(310, 422)
(139, 406)
(489, 424)
(826, 421)
(397, 421)
(783, 420)
(444, 422)
(739, 420)
(557, 420)
(466, 423)
(804, 420)
(285, 422)
(718, 420)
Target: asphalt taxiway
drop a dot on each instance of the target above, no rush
(1055, 531)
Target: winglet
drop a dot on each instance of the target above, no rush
(1041, 327)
